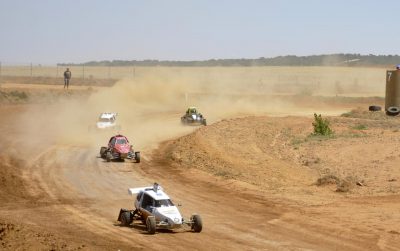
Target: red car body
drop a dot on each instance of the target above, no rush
(119, 148)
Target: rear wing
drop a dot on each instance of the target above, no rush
(133, 191)
(108, 114)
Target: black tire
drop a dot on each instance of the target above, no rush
(197, 225)
(204, 122)
(151, 224)
(126, 219)
(393, 111)
(103, 151)
(137, 157)
(374, 108)
(108, 156)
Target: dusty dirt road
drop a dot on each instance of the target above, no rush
(252, 179)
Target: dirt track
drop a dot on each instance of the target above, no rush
(58, 195)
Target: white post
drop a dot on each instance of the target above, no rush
(186, 98)
(31, 73)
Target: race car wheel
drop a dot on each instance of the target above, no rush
(126, 219)
(137, 157)
(197, 225)
(204, 122)
(108, 156)
(103, 151)
(151, 224)
(393, 111)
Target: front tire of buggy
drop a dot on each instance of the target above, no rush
(151, 224)
(197, 223)
(126, 219)
(137, 157)
(103, 151)
(108, 157)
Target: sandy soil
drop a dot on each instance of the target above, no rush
(252, 177)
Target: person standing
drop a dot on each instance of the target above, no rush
(67, 77)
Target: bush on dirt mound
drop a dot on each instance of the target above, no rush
(342, 185)
(321, 126)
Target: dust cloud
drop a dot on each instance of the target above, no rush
(149, 106)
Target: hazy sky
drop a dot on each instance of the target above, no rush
(51, 31)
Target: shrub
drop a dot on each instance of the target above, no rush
(327, 179)
(19, 95)
(321, 126)
(344, 186)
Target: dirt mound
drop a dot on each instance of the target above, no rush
(281, 154)
(279, 158)
(256, 150)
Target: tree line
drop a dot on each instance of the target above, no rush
(290, 60)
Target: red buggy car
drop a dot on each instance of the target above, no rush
(119, 149)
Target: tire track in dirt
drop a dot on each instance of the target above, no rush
(73, 189)
(88, 192)
(90, 200)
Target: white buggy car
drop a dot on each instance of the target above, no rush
(155, 209)
(107, 120)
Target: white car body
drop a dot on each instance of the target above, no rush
(107, 120)
(154, 208)
(168, 215)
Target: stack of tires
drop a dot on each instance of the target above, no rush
(391, 111)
